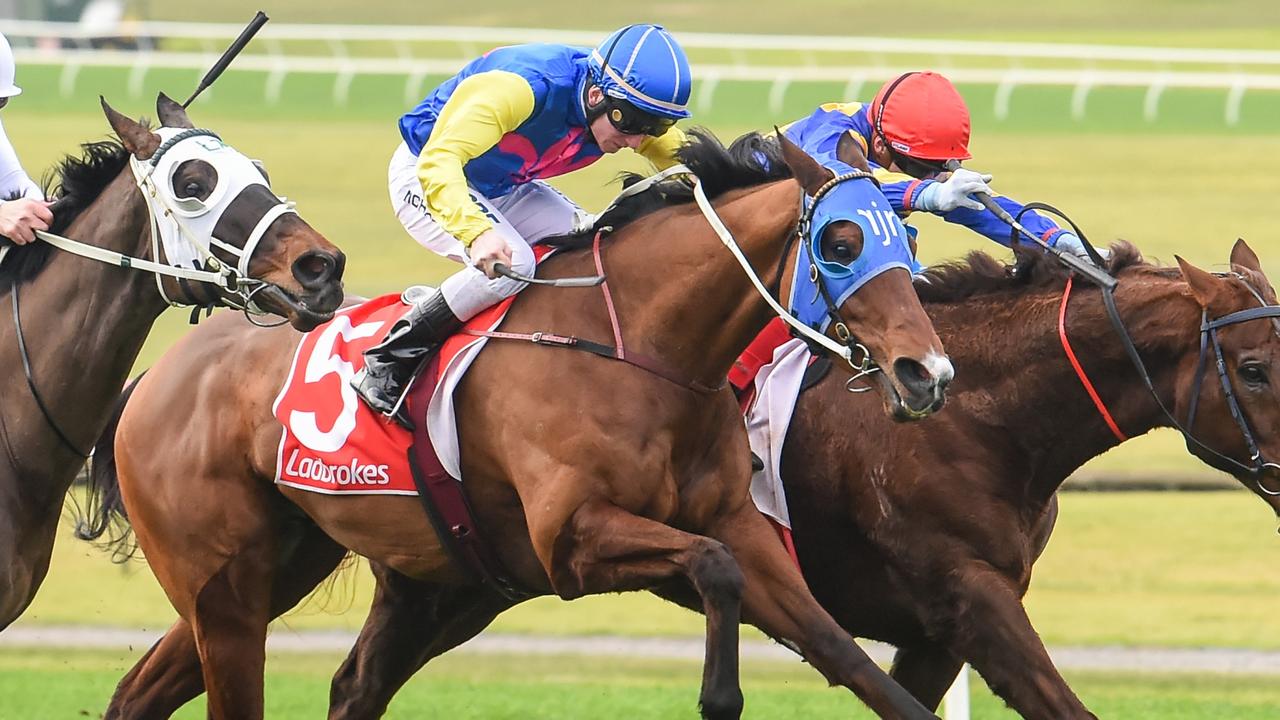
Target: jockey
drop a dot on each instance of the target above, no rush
(23, 209)
(916, 124)
(466, 181)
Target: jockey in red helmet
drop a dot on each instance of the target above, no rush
(916, 124)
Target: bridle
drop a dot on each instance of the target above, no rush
(1208, 339)
(847, 343)
(174, 238)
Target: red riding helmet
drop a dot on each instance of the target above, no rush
(921, 115)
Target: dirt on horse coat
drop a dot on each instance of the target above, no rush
(83, 323)
(626, 481)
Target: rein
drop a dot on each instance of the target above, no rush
(1208, 337)
(617, 351)
(31, 382)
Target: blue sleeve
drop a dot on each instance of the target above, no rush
(984, 222)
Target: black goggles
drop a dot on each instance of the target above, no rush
(631, 120)
(917, 168)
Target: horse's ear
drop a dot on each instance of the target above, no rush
(850, 152)
(1204, 286)
(808, 172)
(1245, 257)
(172, 114)
(135, 136)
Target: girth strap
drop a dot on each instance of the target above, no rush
(445, 502)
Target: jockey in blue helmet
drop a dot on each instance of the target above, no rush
(467, 180)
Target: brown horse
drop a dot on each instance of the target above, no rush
(74, 327)
(625, 481)
(897, 549)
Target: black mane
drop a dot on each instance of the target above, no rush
(980, 274)
(752, 159)
(75, 183)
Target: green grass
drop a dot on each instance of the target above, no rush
(44, 683)
(1158, 569)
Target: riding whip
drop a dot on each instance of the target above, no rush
(1095, 274)
(245, 36)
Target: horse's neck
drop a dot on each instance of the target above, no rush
(1018, 366)
(686, 298)
(84, 323)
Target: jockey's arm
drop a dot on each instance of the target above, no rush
(903, 191)
(14, 181)
(661, 150)
(482, 109)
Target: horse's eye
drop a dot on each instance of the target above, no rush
(192, 189)
(1253, 373)
(841, 251)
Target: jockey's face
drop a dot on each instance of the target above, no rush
(608, 137)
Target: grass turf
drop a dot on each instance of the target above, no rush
(46, 683)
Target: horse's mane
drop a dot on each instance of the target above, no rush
(752, 159)
(75, 182)
(979, 274)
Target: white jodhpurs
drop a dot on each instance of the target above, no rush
(530, 213)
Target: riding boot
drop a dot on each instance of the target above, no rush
(390, 365)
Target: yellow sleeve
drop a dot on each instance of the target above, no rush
(482, 109)
(661, 150)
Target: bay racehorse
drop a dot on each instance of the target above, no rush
(73, 326)
(924, 535)
(588, 475)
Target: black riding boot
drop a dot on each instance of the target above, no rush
(391, 364)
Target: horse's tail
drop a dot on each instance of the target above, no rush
(103, 511)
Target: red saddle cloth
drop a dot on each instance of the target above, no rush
(332, 442)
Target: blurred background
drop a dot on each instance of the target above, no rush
(1155, 121)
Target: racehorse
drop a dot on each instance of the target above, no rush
(626, 480)
(74, 326)
(924, 535)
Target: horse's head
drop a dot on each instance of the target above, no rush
(1231, 390)
(853, 280)
(213, 210)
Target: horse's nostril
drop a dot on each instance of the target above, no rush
(913, 374)
(315, 268)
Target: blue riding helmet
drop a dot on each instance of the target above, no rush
(645, 66)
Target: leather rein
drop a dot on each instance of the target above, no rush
(1208, 339)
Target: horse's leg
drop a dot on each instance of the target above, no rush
(997, 637)
(926, 671)
(778, 602)
(603, 548)
(27, 528)
(169, 675)
(409, 623)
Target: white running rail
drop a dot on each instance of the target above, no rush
(779, 61)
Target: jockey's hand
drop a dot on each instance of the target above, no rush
(488, 249)
(19, 219)
(954, 192)
(1068, 242)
